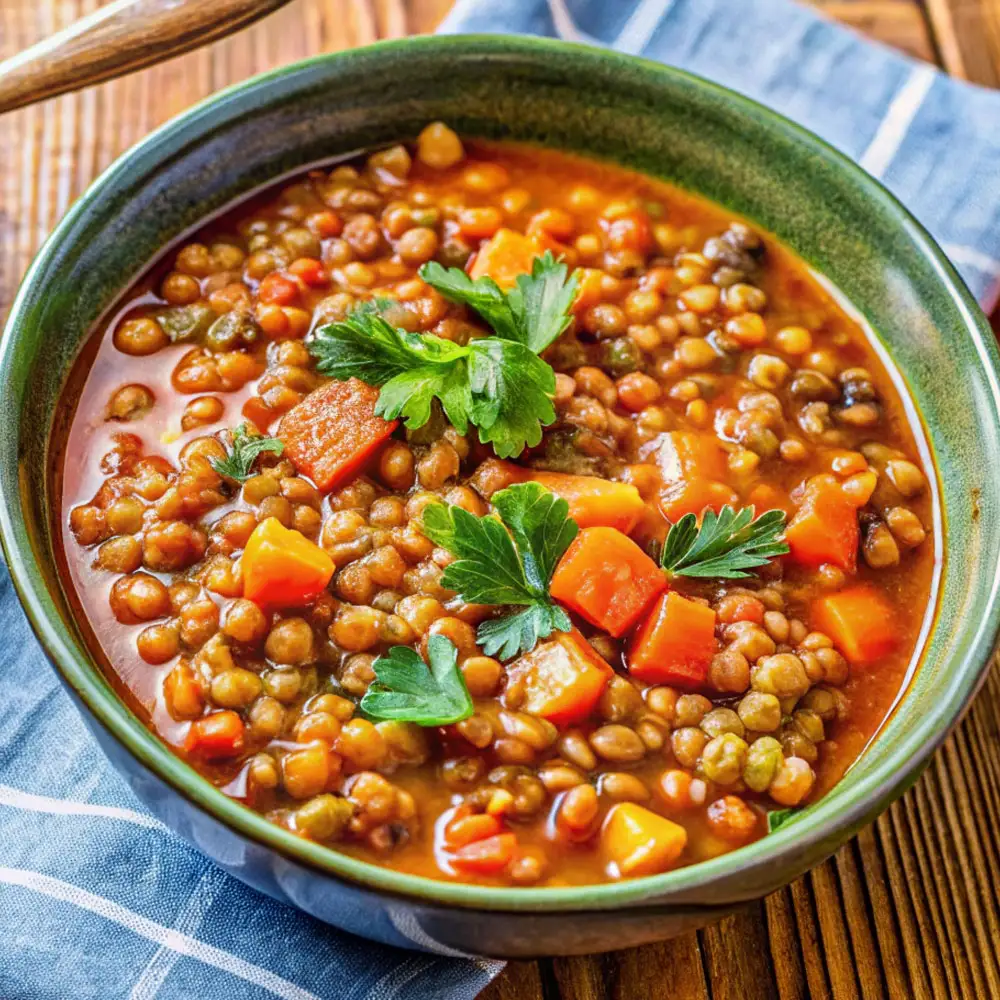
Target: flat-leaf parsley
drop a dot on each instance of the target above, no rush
(724, 545)
(406, 689)
(508, 561)
(498, 384)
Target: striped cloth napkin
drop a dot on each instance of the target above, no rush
(97, 899)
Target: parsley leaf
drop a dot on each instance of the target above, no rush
(777, 818)
(507, 560)
(405, 689)
(412, 369)
(512, 392)
(533, 313)
(725, 545)
(518, 633)
(498, 385)
(245, 448)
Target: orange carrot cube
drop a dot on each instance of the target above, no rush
(282, 568)
(333, 432)
(503, 257)
(860, 621)
(607, 579)
(639, 841)
(675, 644)
(825, 527)
(563, 677)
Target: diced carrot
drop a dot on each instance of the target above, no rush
(825, 527)
(467, 829)
(675, 644)
(275, 289)
(333, 432)
(860, 621)
(693, 466)
(764, 497)
(607, 579)
(588, 288)
(691, 455)
(639, 841)
(694, 496)
(282, 568)
(486, 857)
(506, 255)
(216, 736)
(308, 270)
(563, 678)
(593, 502)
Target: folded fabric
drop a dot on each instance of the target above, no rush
(101, 901)
(933, 141)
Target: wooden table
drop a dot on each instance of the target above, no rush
(911, 908)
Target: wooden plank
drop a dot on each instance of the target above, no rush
(899, 23)
(671, 970)
(519, 981)
(737, 957)
(968, 38)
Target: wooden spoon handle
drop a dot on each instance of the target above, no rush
(122, 36)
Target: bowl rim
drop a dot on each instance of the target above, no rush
(837, 812)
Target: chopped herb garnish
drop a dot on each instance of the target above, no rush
(405, 689)
(777, 818)
(533, 313)
(725, 545)
(507, 561)
(498, 384)
(245, 448)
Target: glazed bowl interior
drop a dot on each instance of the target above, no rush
(637, 114)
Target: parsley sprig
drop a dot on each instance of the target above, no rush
(406, 689)
(724, 545)
(532, 313)
(507, 561)
(246, 446)
(498, 384)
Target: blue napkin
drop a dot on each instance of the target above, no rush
(97, 899)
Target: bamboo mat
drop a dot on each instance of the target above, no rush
(911, 907)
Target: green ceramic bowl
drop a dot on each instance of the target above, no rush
(650, 118)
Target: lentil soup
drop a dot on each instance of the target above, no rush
(616, 466)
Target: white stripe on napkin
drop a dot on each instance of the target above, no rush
(566, 27)
(152, 931)
(641, 26)
(189, 919)
(899, 116)
(972, 257)
(17, 799)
